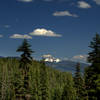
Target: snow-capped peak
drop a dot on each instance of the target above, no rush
(50, 58)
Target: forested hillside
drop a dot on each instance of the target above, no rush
(28, 79)
(44, 82)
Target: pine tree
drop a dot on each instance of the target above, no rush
(26, 55)
(94, 55)
(25, 61)
(57, 94)
(92, 73)
(79, 84)
(45, 83)
(69, 92)
(45, 95)
(36, 85)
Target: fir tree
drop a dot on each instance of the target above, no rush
(26, 55)
(92, 73)
(94, 55)
(79, 84)
(69, 92)
(57, 94)
(44, 82)
(25, 61)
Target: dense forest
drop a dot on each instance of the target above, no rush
(28, 79)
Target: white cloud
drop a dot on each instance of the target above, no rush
(64, 13)
(82, 58)
(83, 4)
(1, 36)
(25, 0)
(44, 32)
(97, 1)
(19, 36)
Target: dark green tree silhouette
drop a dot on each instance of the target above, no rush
(92, 73)
(80, 84)
(25, 61)
(26, 55)
(94, 55)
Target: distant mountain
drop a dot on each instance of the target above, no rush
(66, 65)
(62, 65)
(10, 57)
(1, 57)
(50, 58)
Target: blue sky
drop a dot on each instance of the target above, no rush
(62, 28)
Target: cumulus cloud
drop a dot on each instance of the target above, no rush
(97, 1)
(25, 0)
(1, 36)
(82, 58)
(19, 36)
(83, 4)
(64, 13)
(44, 32)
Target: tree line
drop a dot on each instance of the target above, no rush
(28, 79)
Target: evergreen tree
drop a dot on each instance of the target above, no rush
(25, 61)
(79, 84)
(37, 86)
(45, 83)
(45, 94)
(25, 56)
(69, 92)
(57, 94)
(94, 55)
(92, 73)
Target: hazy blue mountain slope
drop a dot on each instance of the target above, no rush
(66, 65)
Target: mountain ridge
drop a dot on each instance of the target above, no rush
(67, 65)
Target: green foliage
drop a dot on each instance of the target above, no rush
(80, 84)
(26, 55)
(27, 79)
(45, 83)
(25, 60)
(92, 73)
(69, 92)
(57, 94)
(94, 55)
